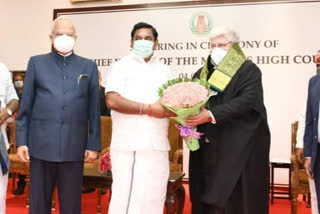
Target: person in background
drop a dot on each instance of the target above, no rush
(58, 124)
(18, 85)
(229, 174)
(9, 103)
(104, 110)
(308, 125)
(139, 145)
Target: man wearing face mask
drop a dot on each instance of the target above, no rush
(18, 84)
(139, 146)
(58, 124)
(230, 172)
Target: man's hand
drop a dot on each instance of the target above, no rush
(23, 153)
(90, 156)
(203, 117)
(299, 154)
(3, 115)
(158, 111)
(307, 166)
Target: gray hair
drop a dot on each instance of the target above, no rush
(61, 18)
(227, 32)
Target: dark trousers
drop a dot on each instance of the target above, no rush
(44, 175)
(200, 208)
(316, 174)
(21, 181)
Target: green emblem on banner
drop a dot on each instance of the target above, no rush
(201, 24)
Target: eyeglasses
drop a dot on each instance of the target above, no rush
(219, 45)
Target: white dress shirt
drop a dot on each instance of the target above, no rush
(139, 81)
(7, 93)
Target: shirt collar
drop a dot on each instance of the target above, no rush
(68, 57)
(65, 55)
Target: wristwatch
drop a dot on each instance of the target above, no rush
(9, 112)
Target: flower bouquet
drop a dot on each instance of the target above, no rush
(105, 163)
(185, 97)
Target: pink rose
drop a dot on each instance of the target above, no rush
(184, 94)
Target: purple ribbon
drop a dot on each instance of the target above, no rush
(187, 131)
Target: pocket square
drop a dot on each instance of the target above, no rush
(82, 76)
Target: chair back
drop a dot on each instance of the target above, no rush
(106, 131)
(294, 129)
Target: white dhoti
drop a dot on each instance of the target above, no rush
(139, 182)
(3, 191)
(313, 195)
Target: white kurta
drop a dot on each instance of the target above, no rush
(7, 93)
(139, 144)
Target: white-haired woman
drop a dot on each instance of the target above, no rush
(230, 173)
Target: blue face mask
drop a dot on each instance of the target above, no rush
(143, 48)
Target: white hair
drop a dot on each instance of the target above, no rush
(227, 32)
(61, 18)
